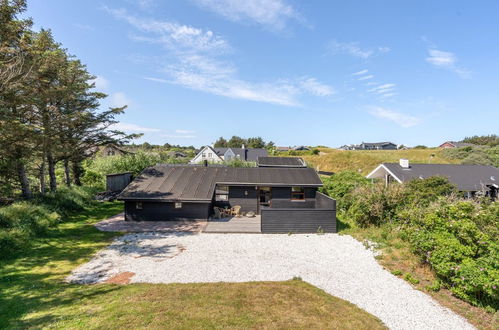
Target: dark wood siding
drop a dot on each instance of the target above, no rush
(248, 202)
(281, 198)
(320, 217)
(164, 211)
(118, 182)
(298, 220)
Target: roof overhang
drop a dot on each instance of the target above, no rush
(152, 199)
(270, 184)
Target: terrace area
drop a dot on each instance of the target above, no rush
(243, 224)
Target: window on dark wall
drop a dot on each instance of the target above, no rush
(138, 205)
(178, 205)
(222, 194)
(297, 194)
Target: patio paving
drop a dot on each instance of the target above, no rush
(234, 225)
(118, 223)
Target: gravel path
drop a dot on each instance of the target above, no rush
(339, 265)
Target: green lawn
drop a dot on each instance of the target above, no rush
(33, 294)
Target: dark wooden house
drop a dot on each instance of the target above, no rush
(286, 198)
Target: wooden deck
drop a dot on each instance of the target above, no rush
(234, 225)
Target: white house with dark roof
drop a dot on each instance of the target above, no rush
(371, 146)
(218, 155)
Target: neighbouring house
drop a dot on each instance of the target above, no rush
(286, 198)
(371, 146)
(469, 179)
(219, 155)
(280, 162)
(301, 148)
(108, 150)
(282, 149)
(453, 144)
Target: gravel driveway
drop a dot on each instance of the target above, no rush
(339, 265)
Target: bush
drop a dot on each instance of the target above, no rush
(21, 222)
(447, 235)
(341, 185)
(134, 163)
(375, 204)
(66, 200)
(424, 191)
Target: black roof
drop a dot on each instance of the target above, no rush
(197, 183)
(377, 144)
(280, 162)
(466, 177)
(247, 154)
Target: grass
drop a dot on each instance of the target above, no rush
(33, 294)
(365, 161)
(397, 258)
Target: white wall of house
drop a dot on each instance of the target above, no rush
(229, 155)
(207, 153)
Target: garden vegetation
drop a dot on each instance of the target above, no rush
(457, 238)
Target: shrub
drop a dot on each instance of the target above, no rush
(424, 191)
(12, 241)
(409, 278)
(27, 217)
(452, 237)
(21, 222)
(375, 204)
(66, 200)
(134, 163)
(340, 186)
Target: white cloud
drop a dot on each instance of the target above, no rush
(353, 49)
(361, 72)
(314, 87)
(396, 117)
(381, 89)
(133, 128)
(183, 131)
(101, 83)
(270, 13)
(193, 62)
(207, 75)
(160, 80)
(446, 60)
(119, 99)
(174, 36)
(366, 77)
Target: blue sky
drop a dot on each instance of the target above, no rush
(294, 72)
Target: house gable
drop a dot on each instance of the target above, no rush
(208, 154)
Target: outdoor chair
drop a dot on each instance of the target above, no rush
(236, 210)
(219, 213)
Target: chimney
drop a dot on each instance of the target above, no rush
(404, 163)
(243, 146)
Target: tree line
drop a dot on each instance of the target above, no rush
(49, 109)
(238, 142)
